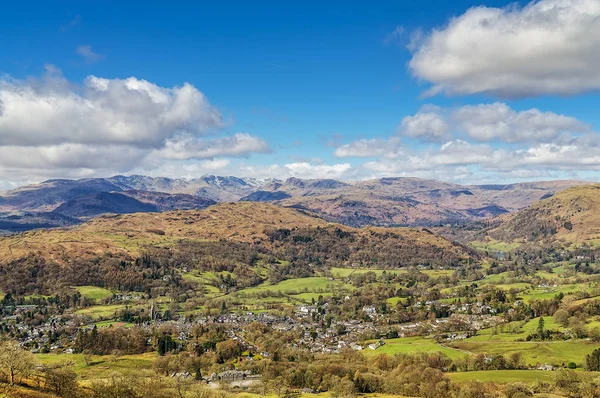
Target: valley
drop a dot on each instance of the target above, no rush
(243, 297)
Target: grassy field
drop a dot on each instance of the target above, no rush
(495, 246)
(551, 352)
(204, 280)
(505, 376)
(300, 285)
(101, 311)
(345, 272)
(413, 345)
(93, 292)
(101, 366)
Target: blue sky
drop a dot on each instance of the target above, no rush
(312, 89)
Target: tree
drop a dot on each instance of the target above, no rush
(342, 388)
(540, 328)
(62, 381)
(561, 316)
(15, 362)
(592, 361)
(278, 386)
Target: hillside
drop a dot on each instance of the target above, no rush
(48, 195)
(405, 201)
(275, 229)
(381, 202)
(101, 203)
(572, 215)
(129, 202)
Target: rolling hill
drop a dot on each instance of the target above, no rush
(381, 202)
(269, 226)
(572, 215)
(405, 201)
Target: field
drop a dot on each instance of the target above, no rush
(413, 345)
(101, 367)
(346, 272)
(93, 292)
(534, 353)
(505, 376)
(101, 311)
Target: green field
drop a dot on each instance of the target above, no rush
(93, 292)
(101, 311)
(413, 345)
(534, 352)
(495, 246)
(203, 279)
(101, 366)
(345, 272)
(300, 285)
(505, 376)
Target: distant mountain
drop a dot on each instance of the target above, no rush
(50, 194)
(382, 202)
(405, 201)
(219, 189)
(102, 203)
(27, 221)
(572, 215)
(166, 202)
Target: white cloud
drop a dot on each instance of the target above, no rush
(88, 55)
(488, 122)
(370, 148)
(189, 147)
(427, 126)
(451, 160)
(482, 123)
(547, 47)
(50, 127)
(103, 111)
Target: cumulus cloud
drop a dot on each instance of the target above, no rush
(51, 127)
(370, 147)
(103, 111)
(547, 47)
(189, 147)
(495, 122)
(488, 122)
(427, 126)
(452, 160)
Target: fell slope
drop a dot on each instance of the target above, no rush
(101, 203)
(256, 223)
(405, 201)
(572, 215)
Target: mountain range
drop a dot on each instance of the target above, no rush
(380, 202)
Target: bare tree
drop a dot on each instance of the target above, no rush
(15, 362)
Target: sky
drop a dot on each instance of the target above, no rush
(463, 91)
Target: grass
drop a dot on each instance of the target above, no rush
(495, 246)
(551, 352)
(504, 376)
(413, 345)
(93, 292)
(299, 285)
(101, 366)
(548, 293)
(100, 311)
(345, 272)
(203, 279)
